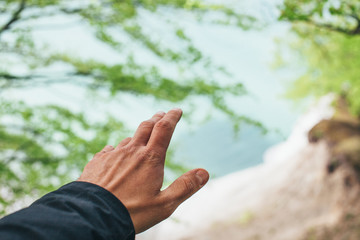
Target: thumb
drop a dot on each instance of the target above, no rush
(185, 186)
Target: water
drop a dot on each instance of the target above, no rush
(214, 147)
(248, 54)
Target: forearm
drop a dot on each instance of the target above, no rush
(78, 210)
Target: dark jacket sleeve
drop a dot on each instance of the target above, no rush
(78, 210)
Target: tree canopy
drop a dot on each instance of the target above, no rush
(42, 147)
(341, 16)
(328, 43)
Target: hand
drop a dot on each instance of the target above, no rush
(134, 172)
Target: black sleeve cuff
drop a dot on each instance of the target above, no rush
(78, 210)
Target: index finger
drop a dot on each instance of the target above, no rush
(163, 130)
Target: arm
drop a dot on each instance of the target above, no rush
(77, 210)
(117, 183)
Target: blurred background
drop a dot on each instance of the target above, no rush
(77, 75)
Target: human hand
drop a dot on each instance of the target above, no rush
(134, 172)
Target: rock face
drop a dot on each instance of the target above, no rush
(303, 190)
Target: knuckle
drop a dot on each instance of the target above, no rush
(125, 141)
(188, 185)
(164, 125)
(151, 155)
(128, 150)
(108, 147)
(147, 124)
(131, 149)
(99, 154)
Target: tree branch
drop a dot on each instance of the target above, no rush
(14, 18)
(338, 29)
(43, 80)
(71, 11)
(13, 77)
(357, 29)
(351, 32)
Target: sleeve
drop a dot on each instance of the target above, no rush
(78, 210)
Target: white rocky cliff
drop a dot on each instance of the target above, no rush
(291, 195)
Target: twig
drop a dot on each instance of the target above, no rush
(355, 31)
(14, 18)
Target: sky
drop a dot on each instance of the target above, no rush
(248, 56)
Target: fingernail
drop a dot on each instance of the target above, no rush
(161, 113)
(202, 177)
(177, 109)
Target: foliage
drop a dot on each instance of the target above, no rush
(328, 42)
(41, 147)
(341, 16)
